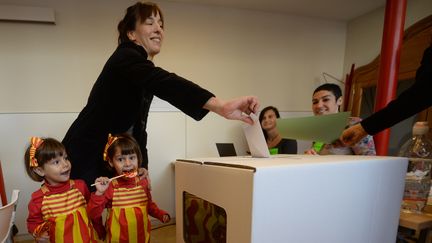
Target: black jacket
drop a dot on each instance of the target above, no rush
(120, 100)
(413, 100)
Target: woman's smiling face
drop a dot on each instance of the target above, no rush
(269, 120)
(324, 102)
(149, 34)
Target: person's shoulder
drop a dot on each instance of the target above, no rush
(144, 183)
(126, 54)
(130, 48)
(428, 51)
(79, 182)
(37, 195)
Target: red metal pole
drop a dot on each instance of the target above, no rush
(389, 64)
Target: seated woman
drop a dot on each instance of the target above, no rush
(274, 140)
(327, 99)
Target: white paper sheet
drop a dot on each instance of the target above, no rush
(255, 138)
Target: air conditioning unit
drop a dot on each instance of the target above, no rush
(27, 14)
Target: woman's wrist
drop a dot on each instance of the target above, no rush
(362, 130)
(215, 105)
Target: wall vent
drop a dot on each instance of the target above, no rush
(27, 14)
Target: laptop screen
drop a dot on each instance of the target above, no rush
(226, 149)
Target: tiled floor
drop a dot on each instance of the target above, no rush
(162, 234)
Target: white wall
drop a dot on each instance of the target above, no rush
(232, 52)
(46, 73)
(235, 52)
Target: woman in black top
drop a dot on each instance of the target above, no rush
(120, 99)
(413, 100)
(273, 138)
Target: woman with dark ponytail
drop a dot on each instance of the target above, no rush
(120, 99)
(277, 145)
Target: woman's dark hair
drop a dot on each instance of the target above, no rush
(127, 145)
(262, 113)
(49, 149)
(136, 13)
(334, 88)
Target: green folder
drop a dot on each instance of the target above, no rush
(324, 128)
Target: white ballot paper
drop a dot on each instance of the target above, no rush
(255, 138)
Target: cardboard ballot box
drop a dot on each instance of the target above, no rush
(289, 198)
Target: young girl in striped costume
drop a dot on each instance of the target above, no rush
(57, 211)
(127, 197)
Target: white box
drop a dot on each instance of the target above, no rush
(298, 198)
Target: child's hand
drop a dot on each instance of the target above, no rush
(338, 144)
(143, 174)
(311, 152)
(101, 184)
(166, 218)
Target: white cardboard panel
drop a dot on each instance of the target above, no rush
(299, 198)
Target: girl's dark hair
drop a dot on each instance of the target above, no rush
(136, 13)
(334, 88)
(127, 145)
(49, 149)
(261, 116)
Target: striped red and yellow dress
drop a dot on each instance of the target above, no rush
(129, 205)
(62, 211)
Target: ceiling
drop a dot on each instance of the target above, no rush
(341, 10)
